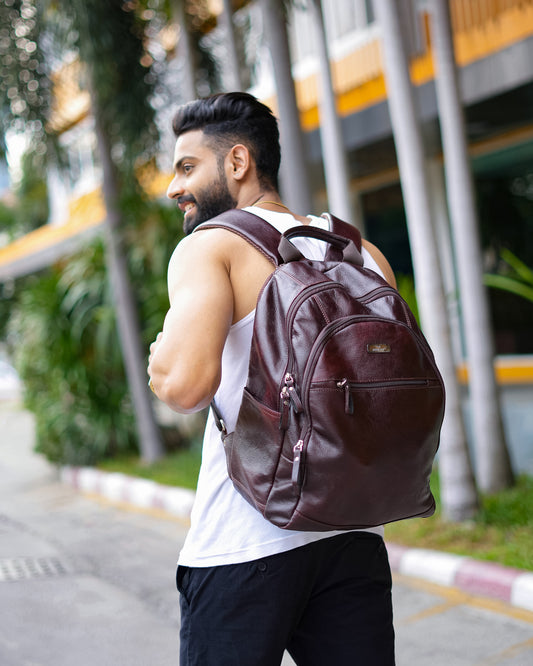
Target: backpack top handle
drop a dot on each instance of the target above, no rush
(345, 248)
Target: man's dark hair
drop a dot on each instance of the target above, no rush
(231, 118)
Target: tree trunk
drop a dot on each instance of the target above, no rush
(295, 182)
(185, 51)
(492, 457)
(458, 492)
(232, 64)
(335, 162)
(443, 237)
(150, 443)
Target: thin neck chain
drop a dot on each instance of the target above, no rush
(274, 203)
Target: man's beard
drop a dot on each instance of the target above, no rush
(210, 202)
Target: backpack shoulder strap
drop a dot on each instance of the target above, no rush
(344, 229)
(258, 232)
(263, 236)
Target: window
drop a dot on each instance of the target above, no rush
(345, 16)
(341, 17)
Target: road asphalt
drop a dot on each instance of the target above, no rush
(87, 560)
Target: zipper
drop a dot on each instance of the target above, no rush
(306, 293)
(298, 450)
(348, 388)
(288, 394)
(332, 329)
(290, 401)
(377, 293)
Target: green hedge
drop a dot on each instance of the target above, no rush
(63, 338)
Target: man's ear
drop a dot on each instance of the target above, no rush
(238, 162)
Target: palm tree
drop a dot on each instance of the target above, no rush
(295, 182)
(232, 64)
(185, 51)
(110, 44)
(109, 40)
(336, 169)
(458, 491)
(494, 471)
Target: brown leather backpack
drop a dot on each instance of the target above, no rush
(341, 414)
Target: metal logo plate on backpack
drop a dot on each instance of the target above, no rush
(378, 348)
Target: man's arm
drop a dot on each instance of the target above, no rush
(185, 359)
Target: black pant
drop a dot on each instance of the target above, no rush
(328, 602)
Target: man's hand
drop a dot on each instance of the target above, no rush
(153, 348)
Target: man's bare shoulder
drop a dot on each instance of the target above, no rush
(381, 261)
(205, 242)
(201, 249)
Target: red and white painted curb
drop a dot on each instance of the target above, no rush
(486, 579)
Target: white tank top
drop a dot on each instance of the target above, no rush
(225, 529)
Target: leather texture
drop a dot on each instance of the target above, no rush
(341, 415)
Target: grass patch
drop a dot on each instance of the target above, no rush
(501, 532)
(179, 468)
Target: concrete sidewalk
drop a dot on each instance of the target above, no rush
(92, 573)
(466, 574)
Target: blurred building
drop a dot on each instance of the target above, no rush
(494, 48)
(494, 53)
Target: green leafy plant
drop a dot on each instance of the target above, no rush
(62, 332)
(514, 276)
(68, 358)
(406, 287)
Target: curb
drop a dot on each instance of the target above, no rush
(124, 489)
(486, 579)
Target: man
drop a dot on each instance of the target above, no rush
(248, 589)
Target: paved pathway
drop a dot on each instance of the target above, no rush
(83, 581)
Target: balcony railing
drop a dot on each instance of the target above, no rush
(480, 27)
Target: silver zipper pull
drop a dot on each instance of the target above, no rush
(285, 408)
(296, 463)
(293, 394)
(348, 398)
